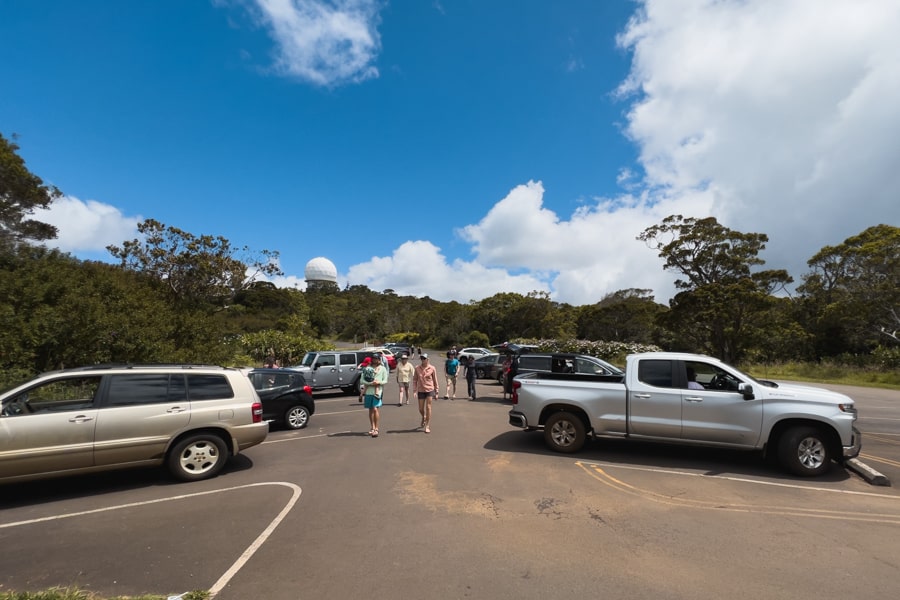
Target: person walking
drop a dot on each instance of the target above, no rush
(451, 369)
(470, 376)
(374, 390)
(405, 372)
(425, 387)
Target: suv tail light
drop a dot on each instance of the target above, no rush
(515, 391)
(256, 409)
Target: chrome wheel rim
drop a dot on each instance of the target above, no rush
(811, 453)
(563, 433)
(297, 418)
(200, 457)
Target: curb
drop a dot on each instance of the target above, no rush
(866, 472)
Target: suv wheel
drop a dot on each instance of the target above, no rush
(296, 417)
(197, 457)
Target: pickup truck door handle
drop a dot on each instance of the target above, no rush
(642, 396)
(81, 419)
(176, 409)
(693, 399)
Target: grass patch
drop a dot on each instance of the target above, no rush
(76, 594)
(826, 373)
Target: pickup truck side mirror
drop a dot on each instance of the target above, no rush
(747, 390)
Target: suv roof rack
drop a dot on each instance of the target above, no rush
(144, 366)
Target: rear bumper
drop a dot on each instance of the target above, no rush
(852, 451)
(517, 419)
(246, 436)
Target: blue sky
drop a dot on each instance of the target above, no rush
(457, 149)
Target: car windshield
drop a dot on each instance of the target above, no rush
(309, 359)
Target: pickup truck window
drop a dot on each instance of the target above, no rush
(657, 373)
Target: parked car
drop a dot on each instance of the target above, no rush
(475, 352)
(328, 369)
(285, 396)
(489, 366)
(388, 356)
(191, 418)
(399, 348)
(557, 363)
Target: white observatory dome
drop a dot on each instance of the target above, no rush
(321, 269)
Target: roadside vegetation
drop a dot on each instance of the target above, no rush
(175, 296)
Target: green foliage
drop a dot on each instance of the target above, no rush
(723, 303)
(625, 315)
(613, 352)
(198, 269)
(287, 348)
(851, 297)
(21, 192)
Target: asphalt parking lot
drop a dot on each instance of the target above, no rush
(476, 509)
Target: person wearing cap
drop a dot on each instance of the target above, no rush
(425, 386)
(374, 390)
(405, 372)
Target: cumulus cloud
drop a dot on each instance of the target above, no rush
(753, 112)
(782, 111)
(87, 227)
(325, 43)
(417, 268)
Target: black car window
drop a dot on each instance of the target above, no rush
(538, 363)
(144, 388)
(208, 387)
(657, 373)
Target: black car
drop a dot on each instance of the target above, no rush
(285, 396)
(489, 366)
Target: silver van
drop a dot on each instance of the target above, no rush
(191, 418)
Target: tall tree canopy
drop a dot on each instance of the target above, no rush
(205, 268)
(852, 293)
(21, 192)
(723, 302)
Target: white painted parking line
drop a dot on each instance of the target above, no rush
(738, 479)
(242, 559)
(304, 437)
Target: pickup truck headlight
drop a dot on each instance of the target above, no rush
(848, 408)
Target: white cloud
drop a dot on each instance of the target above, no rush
(784, 111)
(325, 43)
(87, 227)
(417, 268)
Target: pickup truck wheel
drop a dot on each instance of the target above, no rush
(804, 451)
(564, 432)
(296, 417)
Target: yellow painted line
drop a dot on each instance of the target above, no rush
(886, 461)
(597, 472)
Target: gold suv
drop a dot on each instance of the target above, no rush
(191, 418)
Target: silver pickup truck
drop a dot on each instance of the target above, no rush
(690, 399)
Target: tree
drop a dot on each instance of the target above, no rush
(624, 316)
(723, 300)
(205, 268)
(21, 192)
(852, 294)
